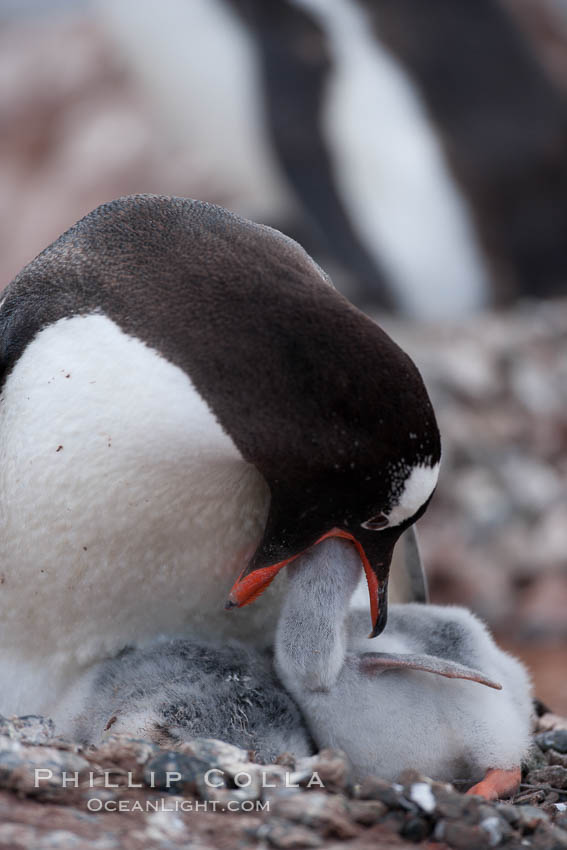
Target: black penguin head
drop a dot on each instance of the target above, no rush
(383, 485)
(343, 433)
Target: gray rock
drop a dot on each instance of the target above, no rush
(509, 813)
(553, 775)
(175, 773)
(125, 751)
(463, 836)
(530, 798)
(281, 833)
(497, 830)
(416, 828)
(555, 739)
(373, 788)
(554, 757)
(548, 837)
(332, 767)
(327, 813)
(30, 728)
(216, 753)
(421, 794)
(533, 760)
(39, 771)
(366, 812)
(529, 817)
(452, 805)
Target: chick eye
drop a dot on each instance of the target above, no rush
(376, 522)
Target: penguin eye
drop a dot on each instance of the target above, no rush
(376, 522)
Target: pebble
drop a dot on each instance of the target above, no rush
(530, 798)
(325, 812)
(550, 722)
(548, 837)
(557, 758)
(461, 836)
(556, 739)
(18, 766)
(215, 753)
(30, 728)
(286, 760)
(496, 830)
(373, 788)
(280, 833)
(393, 821)
(124, 751)
(416, 828)
(553, 775)
(534, 759)
(176, 773)
(529, 817)
(333, 769)
(449, 804)
(366, 812)
(422, 794)
(509, 813)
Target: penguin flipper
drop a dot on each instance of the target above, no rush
(372, 663)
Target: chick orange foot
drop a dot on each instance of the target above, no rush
(498, 783)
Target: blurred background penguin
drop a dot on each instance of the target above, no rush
(418, 149)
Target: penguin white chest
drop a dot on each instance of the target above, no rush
(126, 509)
(392, 172)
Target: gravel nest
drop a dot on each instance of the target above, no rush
(116, 796)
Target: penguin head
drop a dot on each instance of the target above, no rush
(368, 505)
(344, 434)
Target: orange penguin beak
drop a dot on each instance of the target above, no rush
(250, 585)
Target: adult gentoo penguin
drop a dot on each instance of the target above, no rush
(186, 400)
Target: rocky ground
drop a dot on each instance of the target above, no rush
(131, 794)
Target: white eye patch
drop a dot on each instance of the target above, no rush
(416, 490)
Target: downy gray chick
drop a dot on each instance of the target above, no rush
(176, 690)
(420, 700)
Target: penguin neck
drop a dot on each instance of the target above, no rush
(311, 633)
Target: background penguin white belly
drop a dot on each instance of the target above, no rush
(392, 173)
(221, 122)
